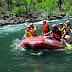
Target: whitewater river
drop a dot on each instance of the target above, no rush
(13, 60)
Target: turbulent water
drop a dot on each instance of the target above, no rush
(22, 60)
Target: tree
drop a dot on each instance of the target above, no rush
(60, 3)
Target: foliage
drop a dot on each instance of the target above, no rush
(17, 6)
(69, 11)
(16, 10)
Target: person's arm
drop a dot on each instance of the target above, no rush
(35, 28)
(48, 33)
(71, 30)
(63, 34)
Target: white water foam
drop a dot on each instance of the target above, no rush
(12, 28)
(16, 46)
(38, 54)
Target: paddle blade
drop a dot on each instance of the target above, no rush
(68, 46)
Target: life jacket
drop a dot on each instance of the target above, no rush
(45, 28)
(62, 30)
(28, 34)
(68, 31)
(67, 28)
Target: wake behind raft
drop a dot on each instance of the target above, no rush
(42, 42)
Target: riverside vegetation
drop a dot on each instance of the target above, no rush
(18, 11)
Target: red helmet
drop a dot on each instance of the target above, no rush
(28, 26)
(31, 25)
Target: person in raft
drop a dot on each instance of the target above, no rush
(27, 32)
(61, 28)
(67, 28)
(56, 33)
(45, 28)
(33, 30)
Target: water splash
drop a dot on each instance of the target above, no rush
(16, 46)
(37, 54)
(11, 28)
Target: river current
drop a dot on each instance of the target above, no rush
(13, 60)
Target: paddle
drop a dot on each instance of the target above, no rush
(67, 45)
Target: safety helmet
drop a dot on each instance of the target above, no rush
(28, 26)
(54, 25)
(31, 24)
(44, 22)
(67, 37)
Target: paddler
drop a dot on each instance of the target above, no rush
(56, 33)
(33, 30)
(45, 28)
(61, 28)
(27, 32)
(67, 27)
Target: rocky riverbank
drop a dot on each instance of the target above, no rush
(10, 18)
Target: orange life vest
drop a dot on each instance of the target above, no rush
(28, 34)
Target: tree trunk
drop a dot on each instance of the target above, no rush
(59, 4)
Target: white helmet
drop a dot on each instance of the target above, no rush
(28, 26)
(54, 25)
(68, 37)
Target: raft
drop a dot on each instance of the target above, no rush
(42, 42)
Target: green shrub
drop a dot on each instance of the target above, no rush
(69, 11)
(16, 10)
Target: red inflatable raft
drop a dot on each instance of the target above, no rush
(43, 42)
